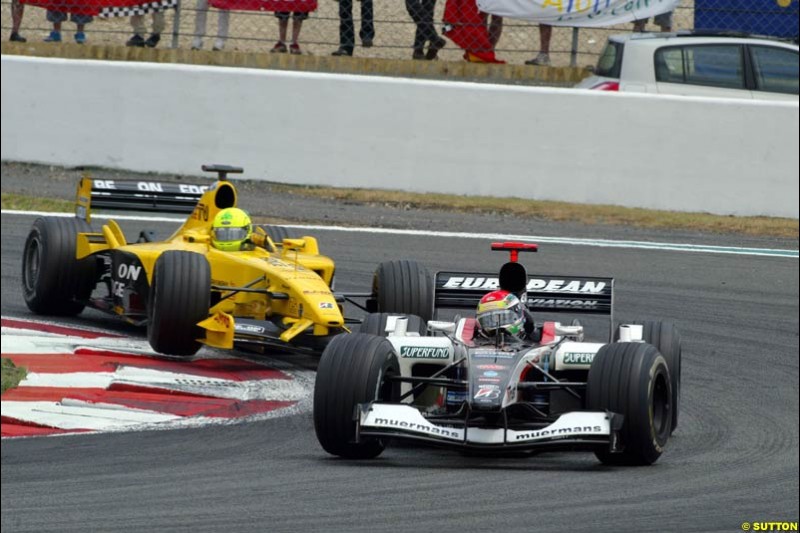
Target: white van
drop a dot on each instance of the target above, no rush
(696, 64)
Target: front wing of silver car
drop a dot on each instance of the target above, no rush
(574, 430)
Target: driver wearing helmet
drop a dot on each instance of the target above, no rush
(232, 230)
(502, 312)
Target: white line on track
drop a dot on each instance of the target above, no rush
(602, 243)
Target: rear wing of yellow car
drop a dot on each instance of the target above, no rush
(142, 195)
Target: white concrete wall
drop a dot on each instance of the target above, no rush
(688, 154)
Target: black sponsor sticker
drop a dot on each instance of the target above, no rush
(249, 328)
(573, 286)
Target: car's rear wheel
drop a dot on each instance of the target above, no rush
(403, 287)
(352, 370)
(632, 379)
(278, 233)
(54, 282)
(179, 298)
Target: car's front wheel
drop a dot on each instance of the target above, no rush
(632, 379)
(667, 339)
(353, 370)
(179, 298)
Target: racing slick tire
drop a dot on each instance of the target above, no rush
(351, 371)
(54, 282)
(277, 233)
(403, 287)
(179, 298)
(666, 337)
(375, 324)
(632, 379)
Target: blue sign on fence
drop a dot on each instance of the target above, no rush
(778, 18)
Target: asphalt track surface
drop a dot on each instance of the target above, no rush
(733, 458)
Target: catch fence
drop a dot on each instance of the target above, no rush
(193, 23)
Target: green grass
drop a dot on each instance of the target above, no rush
(34, 203)
(557, 211)
(523, 208)
(11, 374)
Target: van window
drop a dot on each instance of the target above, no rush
(669, 65)
(610, 62)
(715, 65)
(775, 69)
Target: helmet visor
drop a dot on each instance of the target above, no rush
(230, 234)
(500, 318)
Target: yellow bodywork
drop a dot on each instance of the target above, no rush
(297, 277)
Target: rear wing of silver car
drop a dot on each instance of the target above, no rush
(566, 294)
(143, 195)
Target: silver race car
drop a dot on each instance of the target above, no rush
(463, 385)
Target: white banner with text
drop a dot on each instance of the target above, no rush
(586, 13)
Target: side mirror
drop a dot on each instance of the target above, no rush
(574, 332)
(294, 244)
(630, 333)
(397, 326)
(439, 325)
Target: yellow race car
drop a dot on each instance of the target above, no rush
(208, 283)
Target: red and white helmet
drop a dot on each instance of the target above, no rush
(501, 311)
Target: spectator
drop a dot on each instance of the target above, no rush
(543, 57)
(57, 17)
(664, 20)
(421, 12)
(200, 16)
(466, 26)
(17, 10)
(140, 28)
(347, 37)
(494, 26)
(283, 26)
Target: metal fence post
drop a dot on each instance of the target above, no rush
(573, 54)
(176, 25)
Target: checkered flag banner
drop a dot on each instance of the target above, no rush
(274, 6)
(141, 9)
(104, 8)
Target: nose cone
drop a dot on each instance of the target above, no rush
(325, 310)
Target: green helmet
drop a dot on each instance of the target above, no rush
(230, 230)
